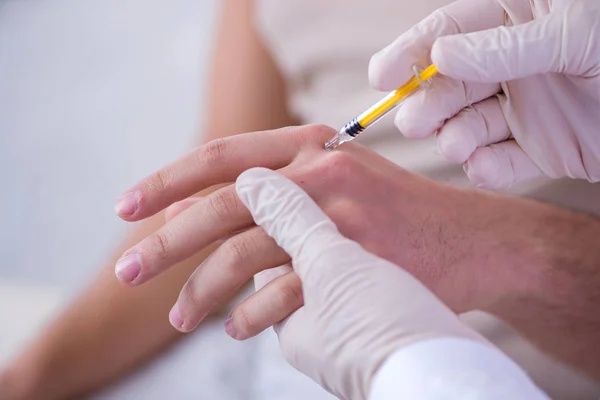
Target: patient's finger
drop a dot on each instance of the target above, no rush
(270, 305)
(223, 273)
(262, 278)
(177, 208)
(219, 161)
(211, 218)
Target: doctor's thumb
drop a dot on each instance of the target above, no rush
(563, 42)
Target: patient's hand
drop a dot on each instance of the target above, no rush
(461, 243)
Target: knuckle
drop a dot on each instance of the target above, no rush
(321, 129)
(413, 124)
(188, 298)
(212, 152)
(308, 133)
(224, 203)
(340, 210)
(338, 165)
(240, 247)
(290, 294)
(244, 325)
(444, 15)
(160, 181)
(340, 159)
(161, 243)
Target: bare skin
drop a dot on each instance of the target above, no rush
(110, 329)
(527, 262)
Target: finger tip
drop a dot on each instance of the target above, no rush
(127, 205)
(377, 76)
(264, 277)
(175, 318)
(485, 171)
(455, 149)
(230, 328)
(411, 124)
(387, 72)
(128, 268)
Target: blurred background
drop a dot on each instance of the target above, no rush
(82, 84)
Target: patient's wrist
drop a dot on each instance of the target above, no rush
(571, 256)
(560, 313)
(555, 257)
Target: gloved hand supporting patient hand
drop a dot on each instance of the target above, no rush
(358, 309)
(511, 69)
(474, 250)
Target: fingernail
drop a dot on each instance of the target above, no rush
(229, 327)
(466, 167)
(175, 317)
(128, 268)
(126, 205)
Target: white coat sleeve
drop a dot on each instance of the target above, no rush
(452, 368)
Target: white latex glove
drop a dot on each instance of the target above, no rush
(358, 307)
(535, 76)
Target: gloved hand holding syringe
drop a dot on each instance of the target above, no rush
(516, 99)
(518, 90)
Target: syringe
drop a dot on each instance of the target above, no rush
(382, 107)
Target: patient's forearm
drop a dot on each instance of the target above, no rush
(108, 330)
(563, 318)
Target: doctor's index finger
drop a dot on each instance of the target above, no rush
(563, 42)
(289, 216)
(216, 162)
(392, 67)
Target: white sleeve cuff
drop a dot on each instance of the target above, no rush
(452, 368)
